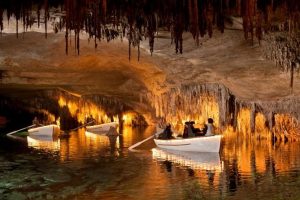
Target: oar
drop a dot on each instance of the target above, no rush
(82, 125)
(20, 129)
(131, 148)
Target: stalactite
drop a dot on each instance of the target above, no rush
(38, 15)
(104, 9)
(46, 15)
(151, 31)
(178, 26)
(1, 20)
(219, 15)
(17, 28)
(104, 19)
(202, 18)
(67, 42)
(258, 31)
(193, 14)
(139, 54)
(129, 48)
(78, 44)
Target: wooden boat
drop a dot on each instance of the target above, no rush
(48, 130)
(194, 160)
(101, 127)
(197, 144)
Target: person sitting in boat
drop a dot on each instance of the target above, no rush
(195, 131)
(167, 133)
(210, 127)
(90, 120)
(185, 131)
(204, 130)
(35, 122)
(188, 130)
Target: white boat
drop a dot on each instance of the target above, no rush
(197, 144)
(101, 127)
(194, 160)
(46, 131)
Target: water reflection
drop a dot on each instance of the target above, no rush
(44, 143)
(93, 166)
(193, 160)
(97, 140)
(84, 144)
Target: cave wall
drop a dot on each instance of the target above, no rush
(284, 49)
(264, 119)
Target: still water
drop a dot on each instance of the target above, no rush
(91, 166)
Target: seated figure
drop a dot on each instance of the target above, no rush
(167, 133)
(210, 127)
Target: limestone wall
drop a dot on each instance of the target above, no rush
(283, 49)
(264, 119)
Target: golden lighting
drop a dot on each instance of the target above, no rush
(128, 117)
(101, 139)
(252, 156)
(260, 126)
(193, 160)
(229, 132)
(42, 143)
(286, 126)
(58, 121)
(50, 118)
(243, 121)
(81, 110)
(198, 110)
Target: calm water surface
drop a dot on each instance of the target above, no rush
(90, 166)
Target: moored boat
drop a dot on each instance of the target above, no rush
(197, 144)
(48, 130)
(101, 127)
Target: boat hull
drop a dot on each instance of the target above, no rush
(101, 127)
(48, 130)
(196, 144)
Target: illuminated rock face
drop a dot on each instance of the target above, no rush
(196, 103)
(265, 119)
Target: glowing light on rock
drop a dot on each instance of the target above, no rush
(286, 127)
(128, 118)
(243, 121)
(81, 110)
(261, 128)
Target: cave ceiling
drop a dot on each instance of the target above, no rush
(125, 48)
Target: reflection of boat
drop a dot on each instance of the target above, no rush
(197, 144)
(102, 140)
(48, 130)
(43, 142)
(194, 160)
(101, 127)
